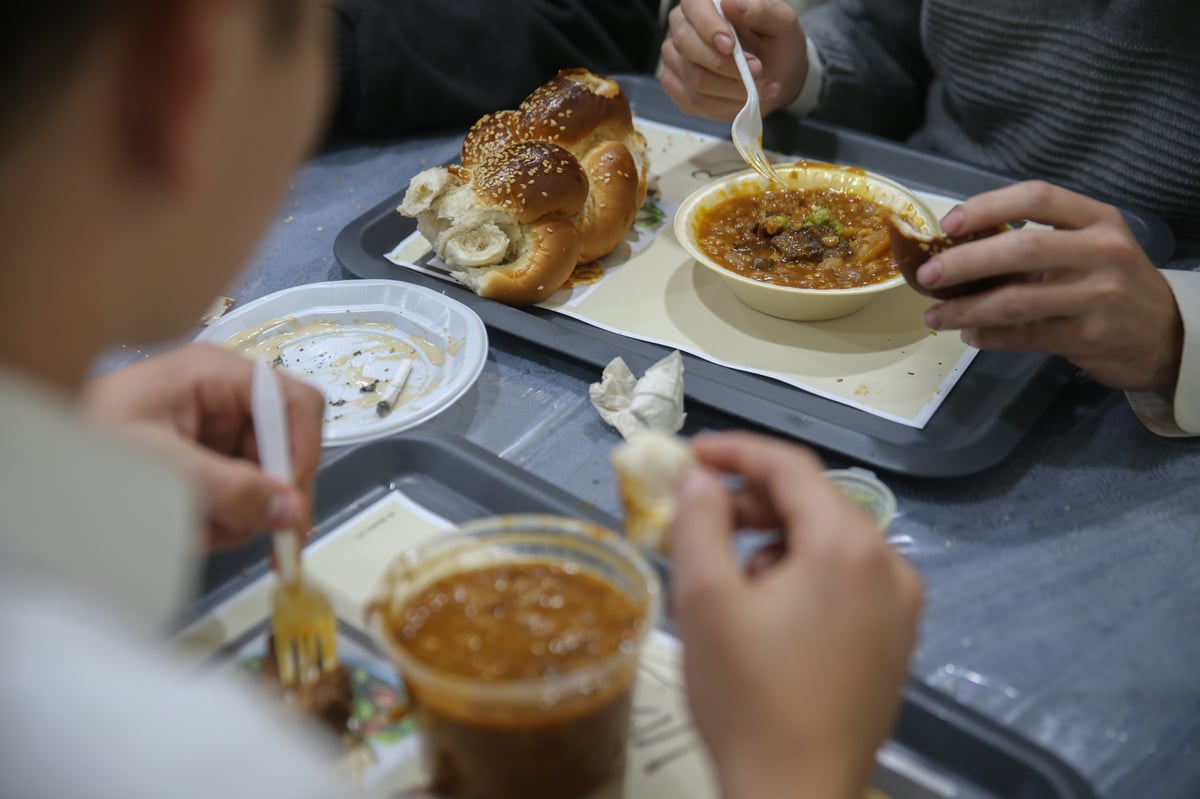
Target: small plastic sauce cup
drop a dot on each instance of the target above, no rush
(868, 492)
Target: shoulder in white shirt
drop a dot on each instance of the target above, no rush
(95, 556)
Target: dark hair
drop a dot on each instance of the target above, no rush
(43, 41)
(40, 44)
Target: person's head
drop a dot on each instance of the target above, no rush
(144, 145)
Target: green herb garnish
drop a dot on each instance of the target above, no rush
(820, 216)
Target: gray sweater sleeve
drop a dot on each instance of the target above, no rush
(876, 74)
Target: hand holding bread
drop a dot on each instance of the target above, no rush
(793, 671)
(555, 183)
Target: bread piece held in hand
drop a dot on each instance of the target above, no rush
(649, 468)
(912, 247)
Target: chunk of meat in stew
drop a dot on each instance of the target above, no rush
(810, 243)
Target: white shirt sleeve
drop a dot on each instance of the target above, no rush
(1178, 415)
(810, 93)
(90, 711)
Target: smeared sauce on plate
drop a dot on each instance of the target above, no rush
(351, 359)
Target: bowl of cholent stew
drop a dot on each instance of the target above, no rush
(816, 248)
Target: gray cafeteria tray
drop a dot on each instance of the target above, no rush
(939, 749)
(997, 400)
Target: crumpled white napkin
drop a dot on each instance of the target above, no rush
(655, 402)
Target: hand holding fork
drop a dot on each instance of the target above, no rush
(747, 125)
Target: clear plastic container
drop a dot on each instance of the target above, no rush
(868, 492)
(551, 736)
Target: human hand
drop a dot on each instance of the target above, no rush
(793, 672)
(1085, 290)
(699, 72)
(193, 404)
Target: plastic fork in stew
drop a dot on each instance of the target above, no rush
(747, 125)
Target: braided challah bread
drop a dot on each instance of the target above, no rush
(555, 183)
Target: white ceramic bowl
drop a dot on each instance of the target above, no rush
(786, 301)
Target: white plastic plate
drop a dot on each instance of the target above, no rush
(349, 337)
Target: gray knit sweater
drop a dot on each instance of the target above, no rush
(1101, 97)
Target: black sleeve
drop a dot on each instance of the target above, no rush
(407, 65)
(876, 74)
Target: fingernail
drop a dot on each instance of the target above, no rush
(740, 5)
(723, 43)
(930, 272)
(953, 221)
(282, 510)
(933, 318)
(771, 90)
(967, 338)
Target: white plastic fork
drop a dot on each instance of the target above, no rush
(302, 620)
(747, 125)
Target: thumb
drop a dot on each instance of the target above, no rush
(705, 567)
(241, 498)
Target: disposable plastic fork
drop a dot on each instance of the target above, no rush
(747, 125)
(301, 617)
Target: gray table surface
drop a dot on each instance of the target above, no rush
(1063, 591)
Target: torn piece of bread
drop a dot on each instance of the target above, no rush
(912, 247)
(649, 468)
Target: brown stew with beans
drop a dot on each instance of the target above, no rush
(804, 238)
(522, 621)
